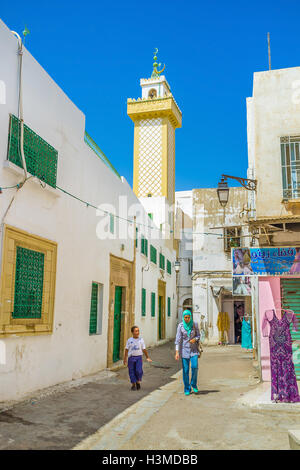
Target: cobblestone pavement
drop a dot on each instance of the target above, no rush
(62, 419)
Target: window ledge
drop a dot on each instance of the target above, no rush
(16, 170)
(291, 202)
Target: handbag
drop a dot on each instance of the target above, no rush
(199, 345)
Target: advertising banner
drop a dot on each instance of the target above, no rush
(277, 261)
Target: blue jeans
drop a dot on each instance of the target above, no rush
(186, 372)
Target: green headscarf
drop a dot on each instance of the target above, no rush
(187, 326)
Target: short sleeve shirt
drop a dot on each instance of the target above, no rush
(135, 346)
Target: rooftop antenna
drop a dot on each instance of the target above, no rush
(269, 51)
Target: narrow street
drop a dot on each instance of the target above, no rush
(61, 419)
(103, 413)
(215, 418)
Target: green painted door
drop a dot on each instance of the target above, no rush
(117, 323)
(290, 289)
(159, 316)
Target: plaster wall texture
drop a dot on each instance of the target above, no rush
(272, 112)
(35, 362)
(210, 261)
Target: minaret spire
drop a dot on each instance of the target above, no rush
(156, 73)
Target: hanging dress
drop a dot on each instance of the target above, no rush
(246, 334)
(284, 386)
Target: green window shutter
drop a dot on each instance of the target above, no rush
(161, 261)
(169, 306)
(94, 309)
(29, 280)
(136, 236)
(153, 254)
(111, 223)
(152, 304)
(144, 246)
(40, 157)
(150, 215)
(169, 268)
(143, 302)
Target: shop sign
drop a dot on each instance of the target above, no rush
(266, 261)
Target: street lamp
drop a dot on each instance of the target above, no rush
(177, 266)
(223, 192)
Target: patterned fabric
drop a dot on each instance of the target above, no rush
(182, 341)
(246, 334)
(284, 386)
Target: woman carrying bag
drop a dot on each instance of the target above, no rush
(187, 347)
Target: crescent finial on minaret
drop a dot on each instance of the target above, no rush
(156, 73)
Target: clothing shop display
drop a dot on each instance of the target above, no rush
(246, 334)
(223, 324)
(284, 386)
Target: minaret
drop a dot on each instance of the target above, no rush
(156, 115)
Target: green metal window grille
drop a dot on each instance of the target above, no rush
(29, 280)
(169, 306)
(161, 261)
(136, 236)
(143, 302)
(144, 246)
(41, 158)
(152, 304)
(153, 254)
(169, 267)
(111, 223)
(94, 309)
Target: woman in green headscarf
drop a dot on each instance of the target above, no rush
(187, 339)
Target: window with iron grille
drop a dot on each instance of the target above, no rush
(169, 267)
(96, 309)
(29, 280)
(169, 306)
(153, 254)
(143, 302)
(152, 304)
(40, 157)
(290, 166)
(190, 267)
(161, 261)
(144, 246)
(232, 238)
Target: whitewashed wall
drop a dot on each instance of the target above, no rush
(36, 362)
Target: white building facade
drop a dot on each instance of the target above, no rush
(74, 278)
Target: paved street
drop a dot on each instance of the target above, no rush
(216, 418)
(62, 419)
(104, 414)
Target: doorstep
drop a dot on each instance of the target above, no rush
(294, 439)
(260, 399)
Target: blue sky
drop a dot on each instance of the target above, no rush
(97, 51)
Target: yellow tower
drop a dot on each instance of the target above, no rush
(156, 115)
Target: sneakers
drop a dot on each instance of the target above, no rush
(195, 390)
(187, 393)
(133, 387)
(138, 386)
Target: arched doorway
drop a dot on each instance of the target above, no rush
(188, 305)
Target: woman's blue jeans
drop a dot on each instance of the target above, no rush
(186, 372)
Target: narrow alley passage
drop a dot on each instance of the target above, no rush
(215, 418)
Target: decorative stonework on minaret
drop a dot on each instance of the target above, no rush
(156, 116)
